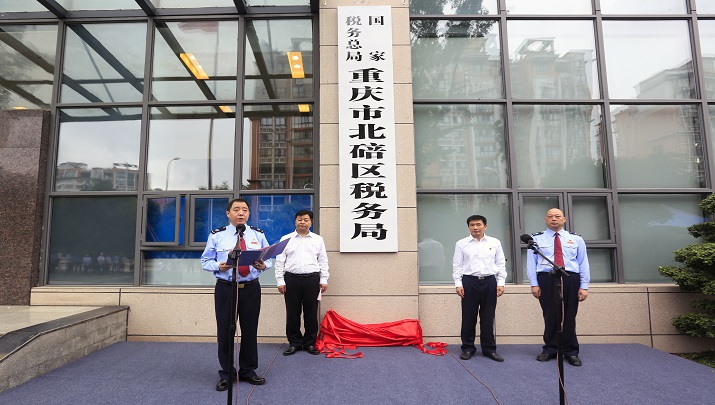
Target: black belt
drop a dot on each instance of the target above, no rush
(302, 275)
(479, 277)
(241, 284)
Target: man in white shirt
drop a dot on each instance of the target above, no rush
(479, 272)
(302, 274)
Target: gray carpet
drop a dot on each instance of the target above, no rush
(185, 373)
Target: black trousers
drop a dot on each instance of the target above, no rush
(480, 298)
(301, 296)
(249, 307)
(549, 306)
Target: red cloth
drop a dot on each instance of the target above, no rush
(243, 270)
(338, 333)
(558, 251)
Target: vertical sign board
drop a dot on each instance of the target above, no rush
(368, 174)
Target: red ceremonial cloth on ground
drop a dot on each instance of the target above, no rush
(338, 333)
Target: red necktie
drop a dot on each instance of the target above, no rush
(558, 253)
(243, 270)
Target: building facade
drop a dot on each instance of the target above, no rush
(126, 127)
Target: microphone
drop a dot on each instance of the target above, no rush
(242, 228)
(526, 238)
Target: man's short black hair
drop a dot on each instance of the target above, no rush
(477, 218)
(235, 200)
(304, 212)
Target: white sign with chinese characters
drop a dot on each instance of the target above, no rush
(368, 173)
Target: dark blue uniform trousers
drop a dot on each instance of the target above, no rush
(249, 307)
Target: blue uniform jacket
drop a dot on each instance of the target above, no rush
(220, 243)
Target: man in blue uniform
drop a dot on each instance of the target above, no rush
(219, 244)
(566, 249)
(479, 273)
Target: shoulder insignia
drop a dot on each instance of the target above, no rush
(537, 233)
(256, 229)
(574, 233)
(217, 230)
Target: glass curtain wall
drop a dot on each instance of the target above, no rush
(521, 106)
(159, 123)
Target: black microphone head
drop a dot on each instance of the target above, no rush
(526, 238)
(241, 228)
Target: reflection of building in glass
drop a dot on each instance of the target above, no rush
(470, 149)
(538, 72)
(282, 153)
(73, 176)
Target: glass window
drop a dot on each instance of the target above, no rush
(456, 59)
(98, 150)
(92, 240)
(192, 3)
(648, 59)
(656, 224)
(161, 221)
(548, 7)
(450, 211)
(460, 146)
(658, 146)
(12, 6)
(644, 7)
(74, 5)
(277, 148)
(591, 217)
(601, 265)
(209, 214)
(707, 47)
(28, 64)
(103, 63)
(190, 148)
(706, 7)
(278, 2)
(453, 7)
(175, 268)
(711, 110)
(553, 59)
(275, 215)
(559, 146)
(534, 209)
(195, 60)
(279, 59)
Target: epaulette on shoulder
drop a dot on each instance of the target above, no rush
(574, 233)
(256, 229)
(537, 233)
(217, 230)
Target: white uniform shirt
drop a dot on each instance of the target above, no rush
(474, 257)
(302, 255)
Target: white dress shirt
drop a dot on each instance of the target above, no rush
(474, 257)
(302, 255)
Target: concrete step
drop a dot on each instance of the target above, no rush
(30, 351)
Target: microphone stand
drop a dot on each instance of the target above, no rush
(232, 322)
(556, 272)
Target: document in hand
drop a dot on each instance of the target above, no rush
(248, 257)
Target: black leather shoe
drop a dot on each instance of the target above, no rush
(543, 356)
(573, 360)
(494, 356)
(222, 385)
(255, 380)
(465, 355)
(312, 350)
(291, 350)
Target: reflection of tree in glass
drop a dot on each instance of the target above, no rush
(223, 186)
(445, 59)
(14, 66)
